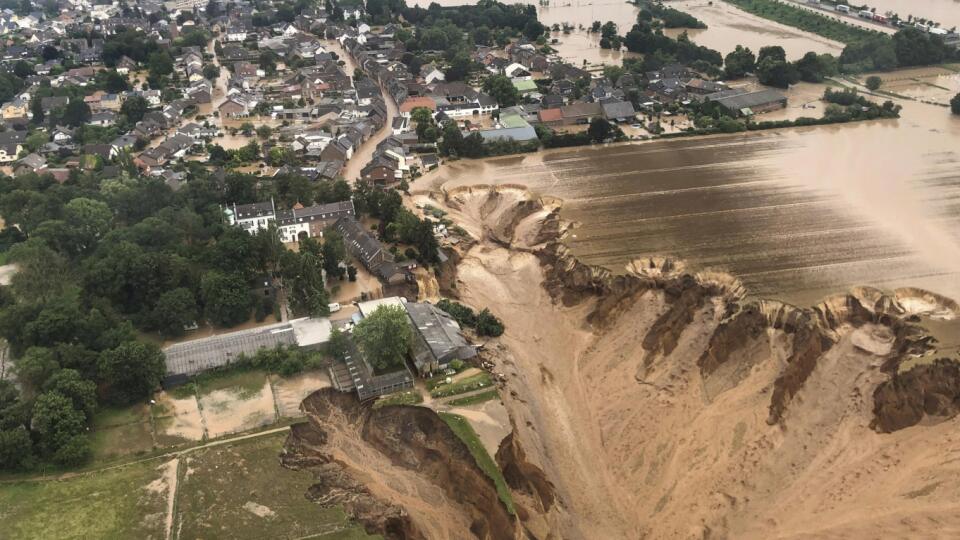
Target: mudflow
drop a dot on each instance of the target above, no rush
(659, 403)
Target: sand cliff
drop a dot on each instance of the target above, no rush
(661, 403)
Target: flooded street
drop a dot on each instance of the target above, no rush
(796, 214)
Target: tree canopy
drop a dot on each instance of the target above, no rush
(384, 337)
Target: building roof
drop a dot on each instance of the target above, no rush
(414, 102)
(438, 337)
(521, 134)
(577, 110)
(198, 355)
(618, 109)
(752, 99)
(551, 115)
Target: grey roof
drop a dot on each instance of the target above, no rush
(198, 355)
(618, 109)
(316, 212)
(524, 133)
(253, 210)
(438, 338)
(359, 242)
(753, 99)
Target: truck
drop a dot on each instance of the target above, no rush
(843, 8)
(865, 14)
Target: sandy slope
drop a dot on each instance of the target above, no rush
(655, 449)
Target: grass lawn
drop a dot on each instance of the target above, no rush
(465, 431)
(247, 383)
(474, 399)
(111, 504)
(118, 432)
(408, 397)
(240, 491)
(473, 382)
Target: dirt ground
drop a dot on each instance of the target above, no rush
(290, 392)
(646, 446)
(232, 409)
(178, 419)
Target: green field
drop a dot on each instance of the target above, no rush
(227, 486)
(805, 20)
(408, 397)
(465, 432)
(474, 399)
(469, 384)
(112, 504)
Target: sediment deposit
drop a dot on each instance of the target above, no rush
(660, 404)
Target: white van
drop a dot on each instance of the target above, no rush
(334, 307)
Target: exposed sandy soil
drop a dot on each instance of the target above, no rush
(179, 418)
(224, 411)
(667, 416)
(291, 391)
(489, 419)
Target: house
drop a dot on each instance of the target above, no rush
(232, 107)
(437, 339)
(752, 102)
(199, 132)
(580, 113)
(15, 108)
(28, 164)
(371, 253)
(618, 111)
(50, 104)
(407, 107)
(551, 117)
(125, 65)
(308, 222)
(703, 87)
(103, 118)
(62, 135)
(11, 144)
(431, 74)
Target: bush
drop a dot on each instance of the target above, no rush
(955, 104)
(488, 324)
(874, 82)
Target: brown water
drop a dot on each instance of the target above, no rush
(796, 214)
(728, 27)
(946, 12)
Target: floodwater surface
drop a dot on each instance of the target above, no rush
(728, 27)
(795, 214)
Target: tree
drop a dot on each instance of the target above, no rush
(384, 336)
(23, 69)
(36, 108)
(268, 62)
(74, 452)
(955, 104)
(211, 72)
(460, 67)
(114, 82)
(814, 68)
(488, 324)
(500, 88)
(873, 82)
(175, 310)
(599, 129)
(773, 72)
(56, 421)
(739, 62)
(130, 371)
(421, 115)
(81, 392)
(160, 64)
(226, 298)
(16, 448)
(77, 113)
(533, 29)
(774, 52)
(134, 108)
(36, 366)
(264, 131)
(334, 252)
(89, 219)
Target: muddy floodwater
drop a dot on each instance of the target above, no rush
(795, 214)
(945, 12)
(728, 27)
